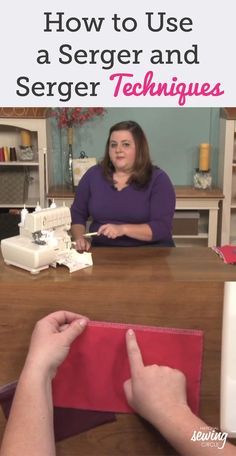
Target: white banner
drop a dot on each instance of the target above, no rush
(170, 53)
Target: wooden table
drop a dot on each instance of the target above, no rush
(165, 287)
(135, 264)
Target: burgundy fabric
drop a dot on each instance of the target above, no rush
(67, 422)
(92, 375)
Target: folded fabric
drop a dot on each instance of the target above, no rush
(227, 253)
(67, 422)
(93, 373)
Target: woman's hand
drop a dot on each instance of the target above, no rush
(140, 231)
(51, 340)
(111, 231)
(155, 392)
(82, 244)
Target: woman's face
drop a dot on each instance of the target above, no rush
(122, 150)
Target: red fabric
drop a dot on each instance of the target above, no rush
(227, 253)
(92, 375)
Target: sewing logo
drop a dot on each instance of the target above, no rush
(210, 438)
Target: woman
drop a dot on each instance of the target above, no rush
(131, 202)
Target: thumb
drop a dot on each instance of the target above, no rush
(75, 329)
(127, 385)
(101, 229)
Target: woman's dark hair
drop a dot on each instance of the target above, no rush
(143, 167)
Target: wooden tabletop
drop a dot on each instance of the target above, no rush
(60, 191)
(141, 285)
(188, 191)
(182, 191)
(135, 264)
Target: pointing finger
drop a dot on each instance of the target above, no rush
(134, 353)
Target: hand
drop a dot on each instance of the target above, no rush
(51, 340)
(155, 392)
(111, 231)
(82, 244)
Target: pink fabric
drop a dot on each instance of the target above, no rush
(227, 253)
(92, 375)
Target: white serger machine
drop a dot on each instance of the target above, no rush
(44, 241)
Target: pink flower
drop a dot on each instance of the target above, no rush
(68, 117)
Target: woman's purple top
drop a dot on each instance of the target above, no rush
(154, 204)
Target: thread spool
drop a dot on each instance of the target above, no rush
(38, 207)
(23, 214)
(53, 204)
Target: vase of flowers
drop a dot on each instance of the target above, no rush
(68, 118)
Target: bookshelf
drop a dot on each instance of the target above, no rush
(22, 181)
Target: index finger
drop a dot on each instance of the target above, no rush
(134, 353)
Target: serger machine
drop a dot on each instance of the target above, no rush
(44, 241)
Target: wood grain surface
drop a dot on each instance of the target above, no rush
(144, 286)
(135, 264)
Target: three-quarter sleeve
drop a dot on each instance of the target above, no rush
(79, 208)
(162, 207)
